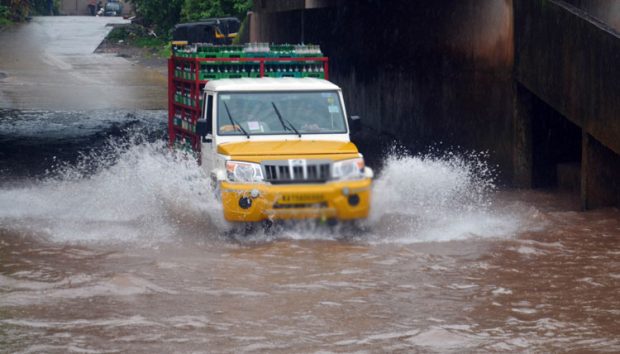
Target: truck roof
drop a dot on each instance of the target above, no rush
(270, 84)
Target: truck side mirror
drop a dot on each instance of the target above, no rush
(201, 130)
(355, 124)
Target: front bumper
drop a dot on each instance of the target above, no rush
(342, 200)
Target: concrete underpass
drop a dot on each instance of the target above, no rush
(566, 65)
(532, 82)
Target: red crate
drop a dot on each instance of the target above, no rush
(192, 81)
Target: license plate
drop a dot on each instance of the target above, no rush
(301, 198)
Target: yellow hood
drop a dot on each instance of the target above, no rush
(264, 150)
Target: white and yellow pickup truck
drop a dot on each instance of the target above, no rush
(279, 148)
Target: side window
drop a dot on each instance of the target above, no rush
(209, 110)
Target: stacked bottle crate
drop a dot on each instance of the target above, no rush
(183, 119)
(183, 95)
(193, 65)
(295, 69)
(249, 50)
(212, 70)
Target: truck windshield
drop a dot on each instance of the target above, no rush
(268, 113)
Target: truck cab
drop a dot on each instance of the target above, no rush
(279, 148)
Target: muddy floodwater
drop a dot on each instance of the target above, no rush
(116, 247)
(110, 242)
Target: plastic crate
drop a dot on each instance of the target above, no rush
(235, 75)
(256, 55)
(211, 76)
(229, 55)
(217, 76)
(283, 74)
(282, 55)
(318, 75)
(207, 76)
(273, 74)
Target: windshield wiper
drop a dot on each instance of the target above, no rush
(282, 120)
(232, 121)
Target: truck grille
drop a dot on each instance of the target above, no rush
(297, 171)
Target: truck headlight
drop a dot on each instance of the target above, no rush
(348, 169)
(237, 171)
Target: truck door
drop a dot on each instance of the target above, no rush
(208, 143)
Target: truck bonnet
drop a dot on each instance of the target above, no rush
(259, 150)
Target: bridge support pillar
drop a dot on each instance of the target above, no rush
(600, 175)
(522, 152)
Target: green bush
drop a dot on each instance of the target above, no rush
(118, 34)
(39, 7)
(5, 15)
(198, 9)
(162, 15)
(5, 12)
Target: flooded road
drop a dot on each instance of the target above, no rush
(121, 251)
(108, 243)
(49, 64)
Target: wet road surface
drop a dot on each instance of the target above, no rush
(111, 280)
(120, 251)
(49, 64)
(109, 244)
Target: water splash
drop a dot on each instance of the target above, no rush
(130, 191)
(138, 191)
(437, 198)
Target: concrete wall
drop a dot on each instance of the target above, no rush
(440, 72)
(567, 60)
(571, 62)
(607, 11)
(600, 169)
(518, 79)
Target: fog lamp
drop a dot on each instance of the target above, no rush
(245, 202)
(354, 200)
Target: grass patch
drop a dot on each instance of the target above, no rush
(147, 42)
(140, 37)
(118, 34)
(5, 16)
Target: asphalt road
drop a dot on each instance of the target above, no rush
(50, 64)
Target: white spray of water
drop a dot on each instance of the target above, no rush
(138, 192)
(428, 198)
